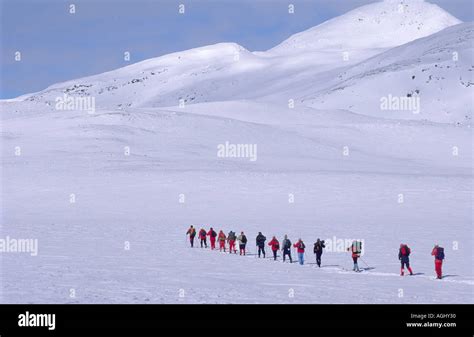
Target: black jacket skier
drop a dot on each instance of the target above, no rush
(318, 250)
(260, 241)
(286, 248)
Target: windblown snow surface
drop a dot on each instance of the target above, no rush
(352, 169)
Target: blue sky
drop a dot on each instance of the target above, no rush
(57, 46)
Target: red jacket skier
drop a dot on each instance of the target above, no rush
(300, 246)
(403, 256)
(275, 247)
(438, 253)
(221, 238)
(212, 237)
(202, 237)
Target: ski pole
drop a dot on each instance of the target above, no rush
(360, 257)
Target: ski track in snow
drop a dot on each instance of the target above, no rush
(331, 269)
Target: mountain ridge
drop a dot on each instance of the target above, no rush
(228, 71)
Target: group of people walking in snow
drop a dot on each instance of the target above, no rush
(285, 247)
(355, 249)
(404, 257)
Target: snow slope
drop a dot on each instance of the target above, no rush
(352, 172)
(227, 71)
(135, 199)
(437, 69)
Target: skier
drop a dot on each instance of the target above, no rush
(403, 256)
(355, 249)
(212, 237)
(221, 238)
(202, 237)
(300, 246)
(261, 244)
(242, 242)
(286, 248)
(275, 246)
(231, 240)
(438, 253)
(318, 250)
(192, 233)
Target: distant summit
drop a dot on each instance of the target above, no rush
(383, 24)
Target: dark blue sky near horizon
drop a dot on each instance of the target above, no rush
(57, 46)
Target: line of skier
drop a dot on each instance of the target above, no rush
(355, 249)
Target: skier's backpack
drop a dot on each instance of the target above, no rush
(440, 253)
(277, 246)
(357, 247)
(244, 239)
(317, 247)
(213, 234)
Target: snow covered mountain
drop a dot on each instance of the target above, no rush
(381, 25)
(436, 72)
(302, 65)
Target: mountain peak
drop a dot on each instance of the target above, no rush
(384, 24)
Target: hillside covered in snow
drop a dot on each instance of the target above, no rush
(382, 49)
(437, 70)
